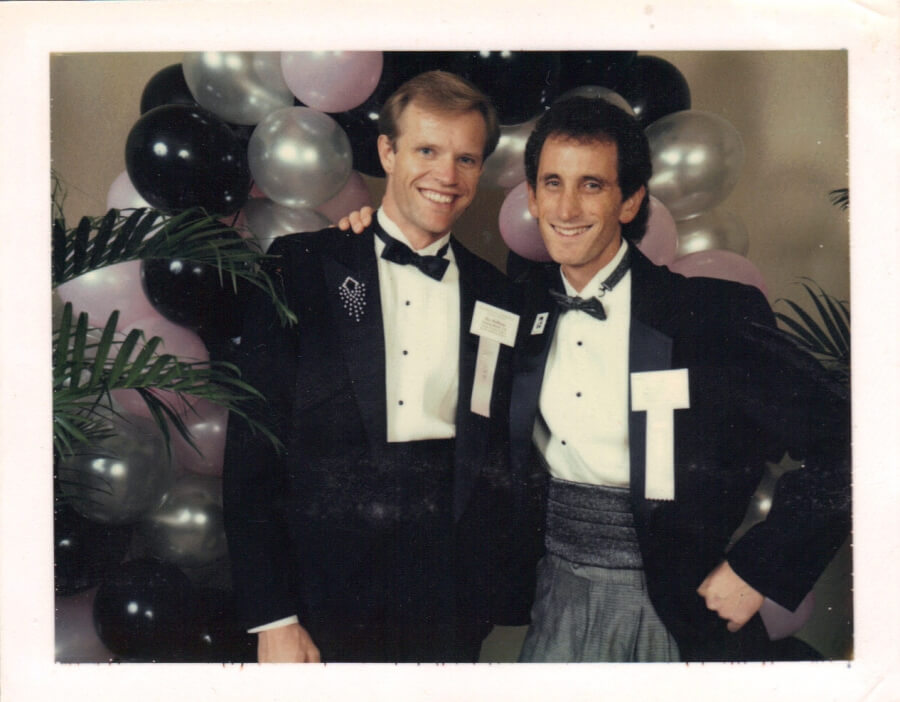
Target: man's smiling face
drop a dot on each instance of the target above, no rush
(578, 204)
(432, 170)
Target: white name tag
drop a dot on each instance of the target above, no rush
(659, 394)
(493, 326)
(494, 323)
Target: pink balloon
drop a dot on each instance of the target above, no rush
(122, 194)
(332, 81)
(781, 622)
(178, 341)
(518, 228)
(76, 637)
(353, 196)
(101, 291)
(717, 263)
(207, 423)
(661, 240)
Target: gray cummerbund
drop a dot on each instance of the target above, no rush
(592, 525)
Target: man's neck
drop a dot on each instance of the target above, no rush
(579, 277)
(416, 238)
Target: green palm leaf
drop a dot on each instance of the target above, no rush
(827, 338)
(191, 235)
(82, 405)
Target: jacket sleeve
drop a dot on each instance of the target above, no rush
(253, 476)
(796, 408)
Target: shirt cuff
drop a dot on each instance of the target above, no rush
(274, 625)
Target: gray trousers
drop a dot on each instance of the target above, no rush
(591, 603)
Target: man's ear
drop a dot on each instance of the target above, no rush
(631, 205)
(532, 201)
(386, 152)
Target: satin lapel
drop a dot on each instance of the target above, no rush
(362, 340)
(530, 360)
(472, 430)
(649, 349)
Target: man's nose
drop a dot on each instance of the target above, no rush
(445, 169)
(569, 205)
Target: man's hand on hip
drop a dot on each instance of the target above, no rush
(728, 595)
(287, 644)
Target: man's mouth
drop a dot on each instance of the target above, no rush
(436, 197)
(568, 231)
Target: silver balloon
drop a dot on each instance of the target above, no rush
(187, 530)
(268, 220)
(716, 229)
(597, 91)
(697, 160)
(299, 157)
(505, 168)
(241, 87)
(124, 478)
(76, 639)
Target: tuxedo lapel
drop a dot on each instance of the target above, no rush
(357, 319)
(649, 349)
(531, 358)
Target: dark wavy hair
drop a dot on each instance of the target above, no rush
(591, 120)
(442, 92)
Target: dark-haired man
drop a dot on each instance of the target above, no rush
(654, 401)
(376, 536)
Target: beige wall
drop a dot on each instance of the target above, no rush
(790, 108)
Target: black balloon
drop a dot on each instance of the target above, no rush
(361, 128)
(219, 637)
(144, 612)
(654, 88)
(603, 68)
(181, 156)
(84, 552)
(166, 87)
(361, 123)
(191, 294)
(521, 84)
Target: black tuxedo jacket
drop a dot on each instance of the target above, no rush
(324, 383)
(753, 396)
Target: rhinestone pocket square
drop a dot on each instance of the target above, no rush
(353, 297)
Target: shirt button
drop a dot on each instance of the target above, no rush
(400, 402)
(408, 303)
(563, 442)
(580, 343)
(577, 394)
(405, 352)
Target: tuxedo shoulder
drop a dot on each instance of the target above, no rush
(311, 242)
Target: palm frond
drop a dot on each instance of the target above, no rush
(89, 363)
(828, 339)
(840, 197)
(191, 235)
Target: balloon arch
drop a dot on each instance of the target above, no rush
(280, 143)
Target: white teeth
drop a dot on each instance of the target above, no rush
(569, 231)
(437, 197)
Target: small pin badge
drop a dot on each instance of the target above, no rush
(539, 323)
(353, 297)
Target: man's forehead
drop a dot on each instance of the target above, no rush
(576, 141)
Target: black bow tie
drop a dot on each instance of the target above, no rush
(398, 252)
(593, 306)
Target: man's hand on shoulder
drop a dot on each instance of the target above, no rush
(727, 594)
(357, 221)
(287, 644)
